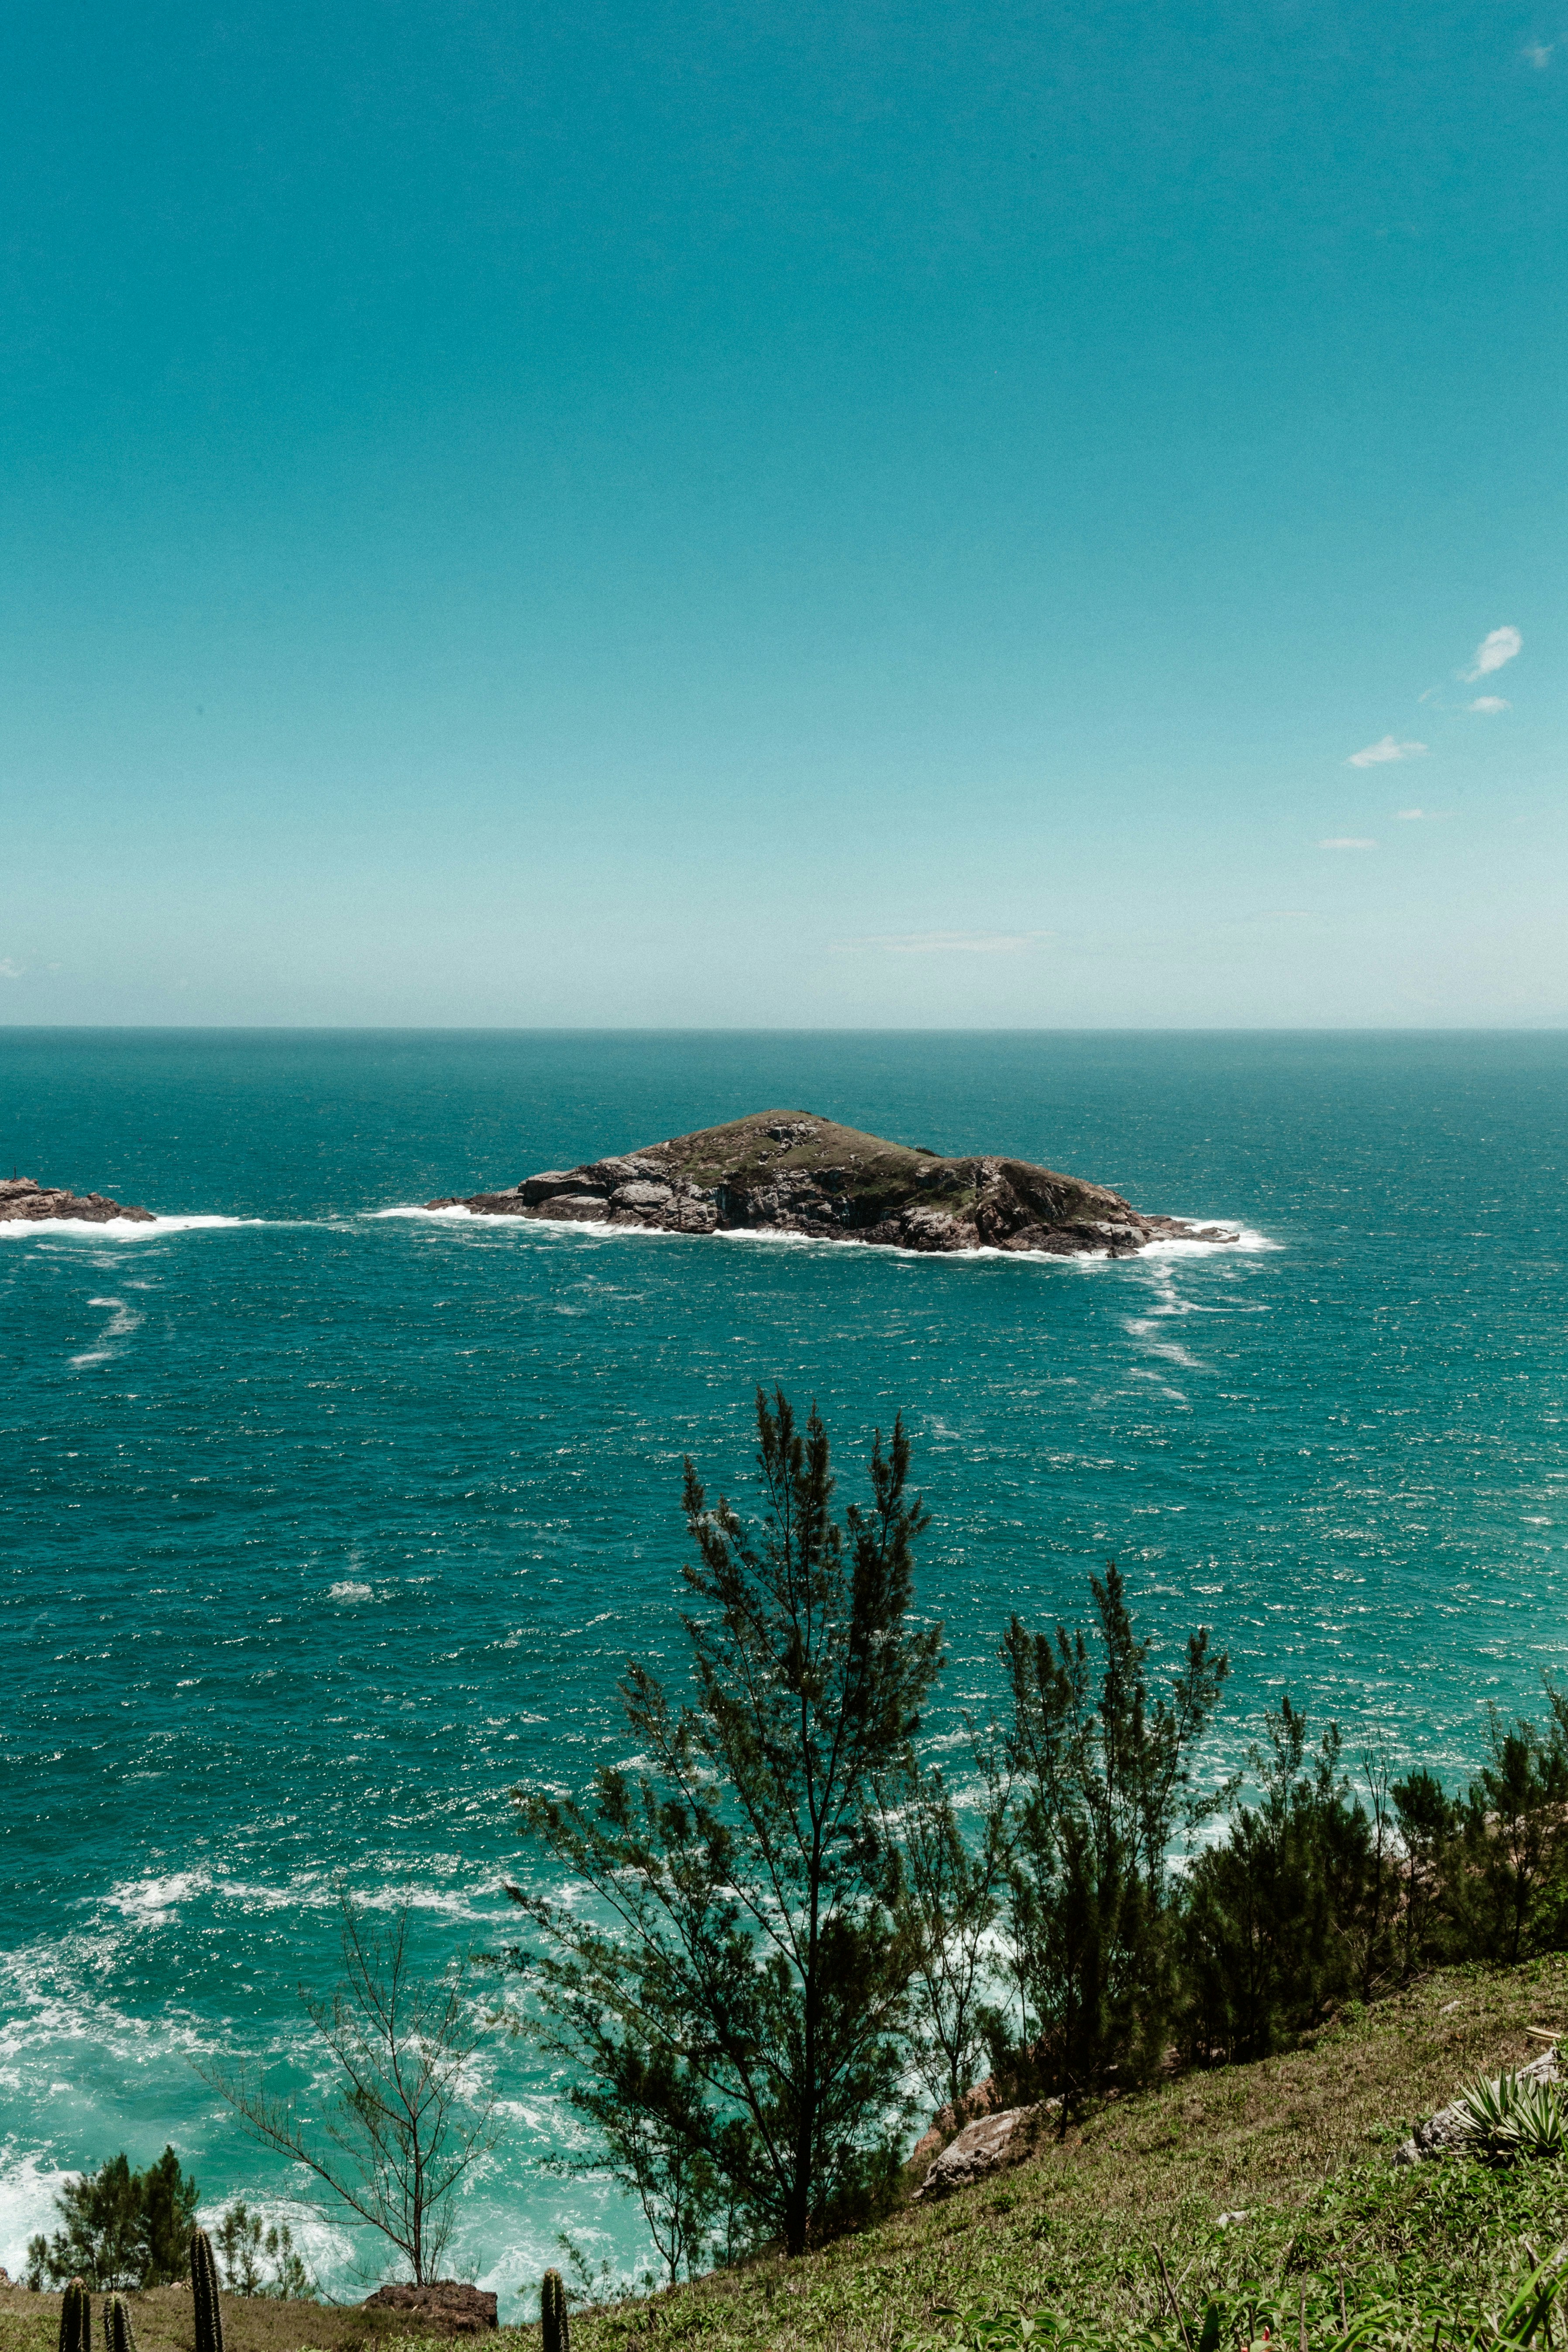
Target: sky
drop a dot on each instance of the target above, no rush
(646, 512)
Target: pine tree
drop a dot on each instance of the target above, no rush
(743, 1981)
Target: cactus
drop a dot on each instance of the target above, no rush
(204, 2293)
(76, 2318)
(118, 2334)
(552, 2313)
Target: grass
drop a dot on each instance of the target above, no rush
(1301, 2145)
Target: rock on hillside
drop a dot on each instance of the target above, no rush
(23, 1200)
(442, 2307)
(790, 1171)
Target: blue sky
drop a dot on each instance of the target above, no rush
(814, 514)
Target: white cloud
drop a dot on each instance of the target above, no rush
(1500, 646)
(9, 967)
(1347, 841)
(1489, 704)
(1538, 54)
(942, 942)
(1376, 753)
(1408, 817)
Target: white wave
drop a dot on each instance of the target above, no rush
(29, 2183)
(123, 1322)
(148, 1902)
(1230, 1237)
(346, 1591)
(454, 1209)
(114, 1229)
(1240, 1237)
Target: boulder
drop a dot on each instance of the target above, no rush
(444, 2307)
(575, 1208)
(982, 2147)
(641, 1195)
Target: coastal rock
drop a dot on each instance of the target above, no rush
(444, 2307)
(980, 2147)
(22, 1201)
(793, 1172)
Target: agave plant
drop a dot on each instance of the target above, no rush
(1509, 2117)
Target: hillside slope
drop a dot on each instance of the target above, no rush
(1301, 2145)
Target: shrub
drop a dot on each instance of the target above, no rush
(1511, 2116)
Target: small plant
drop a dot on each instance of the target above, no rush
(555, 2324)
(118, 2333)
(76, 2318)
(1511, 2116)
(206, 2308)
(243, 2238)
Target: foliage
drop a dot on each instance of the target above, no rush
(954, 1895)
(743, 1983)
(1293, 1912)
(1511, 2116)
(1301, 2141)
(121, 2229)
(244, 2237)
(404, 2126)
(1102, 1781)
(1512, 1898)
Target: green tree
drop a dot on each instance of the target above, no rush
(1292, 1913)
(1512, 1898)
(1428, 1823)
(121, 2229)
(956, 1888)
(168, 2200)
(742, 1978)
(1102, 1775)
(242, 2239)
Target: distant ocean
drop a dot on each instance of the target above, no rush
(325, 1520)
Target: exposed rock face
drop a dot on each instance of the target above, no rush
(444, 2307)
(21, 1199)
(982, 2147)
(787, 1171)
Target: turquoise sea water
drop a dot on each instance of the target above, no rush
(326, 1522)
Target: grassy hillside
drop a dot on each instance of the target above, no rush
(1300, 2145)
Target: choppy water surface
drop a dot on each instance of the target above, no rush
(325, 1521)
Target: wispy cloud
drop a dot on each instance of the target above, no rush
(1413, 816)
(1347, 841)
(941, 943)
(1388, 748)
(1498, 646)
(9, 967)
(1538, 54)
(1491, 704)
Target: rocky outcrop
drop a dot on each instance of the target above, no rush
(982, 2147)
(24, 1201)
(789, 1171)
(444, 2307)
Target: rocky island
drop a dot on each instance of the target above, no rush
(790, 1171)
(24, 1201)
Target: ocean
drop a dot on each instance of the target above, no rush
(327, 1521)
